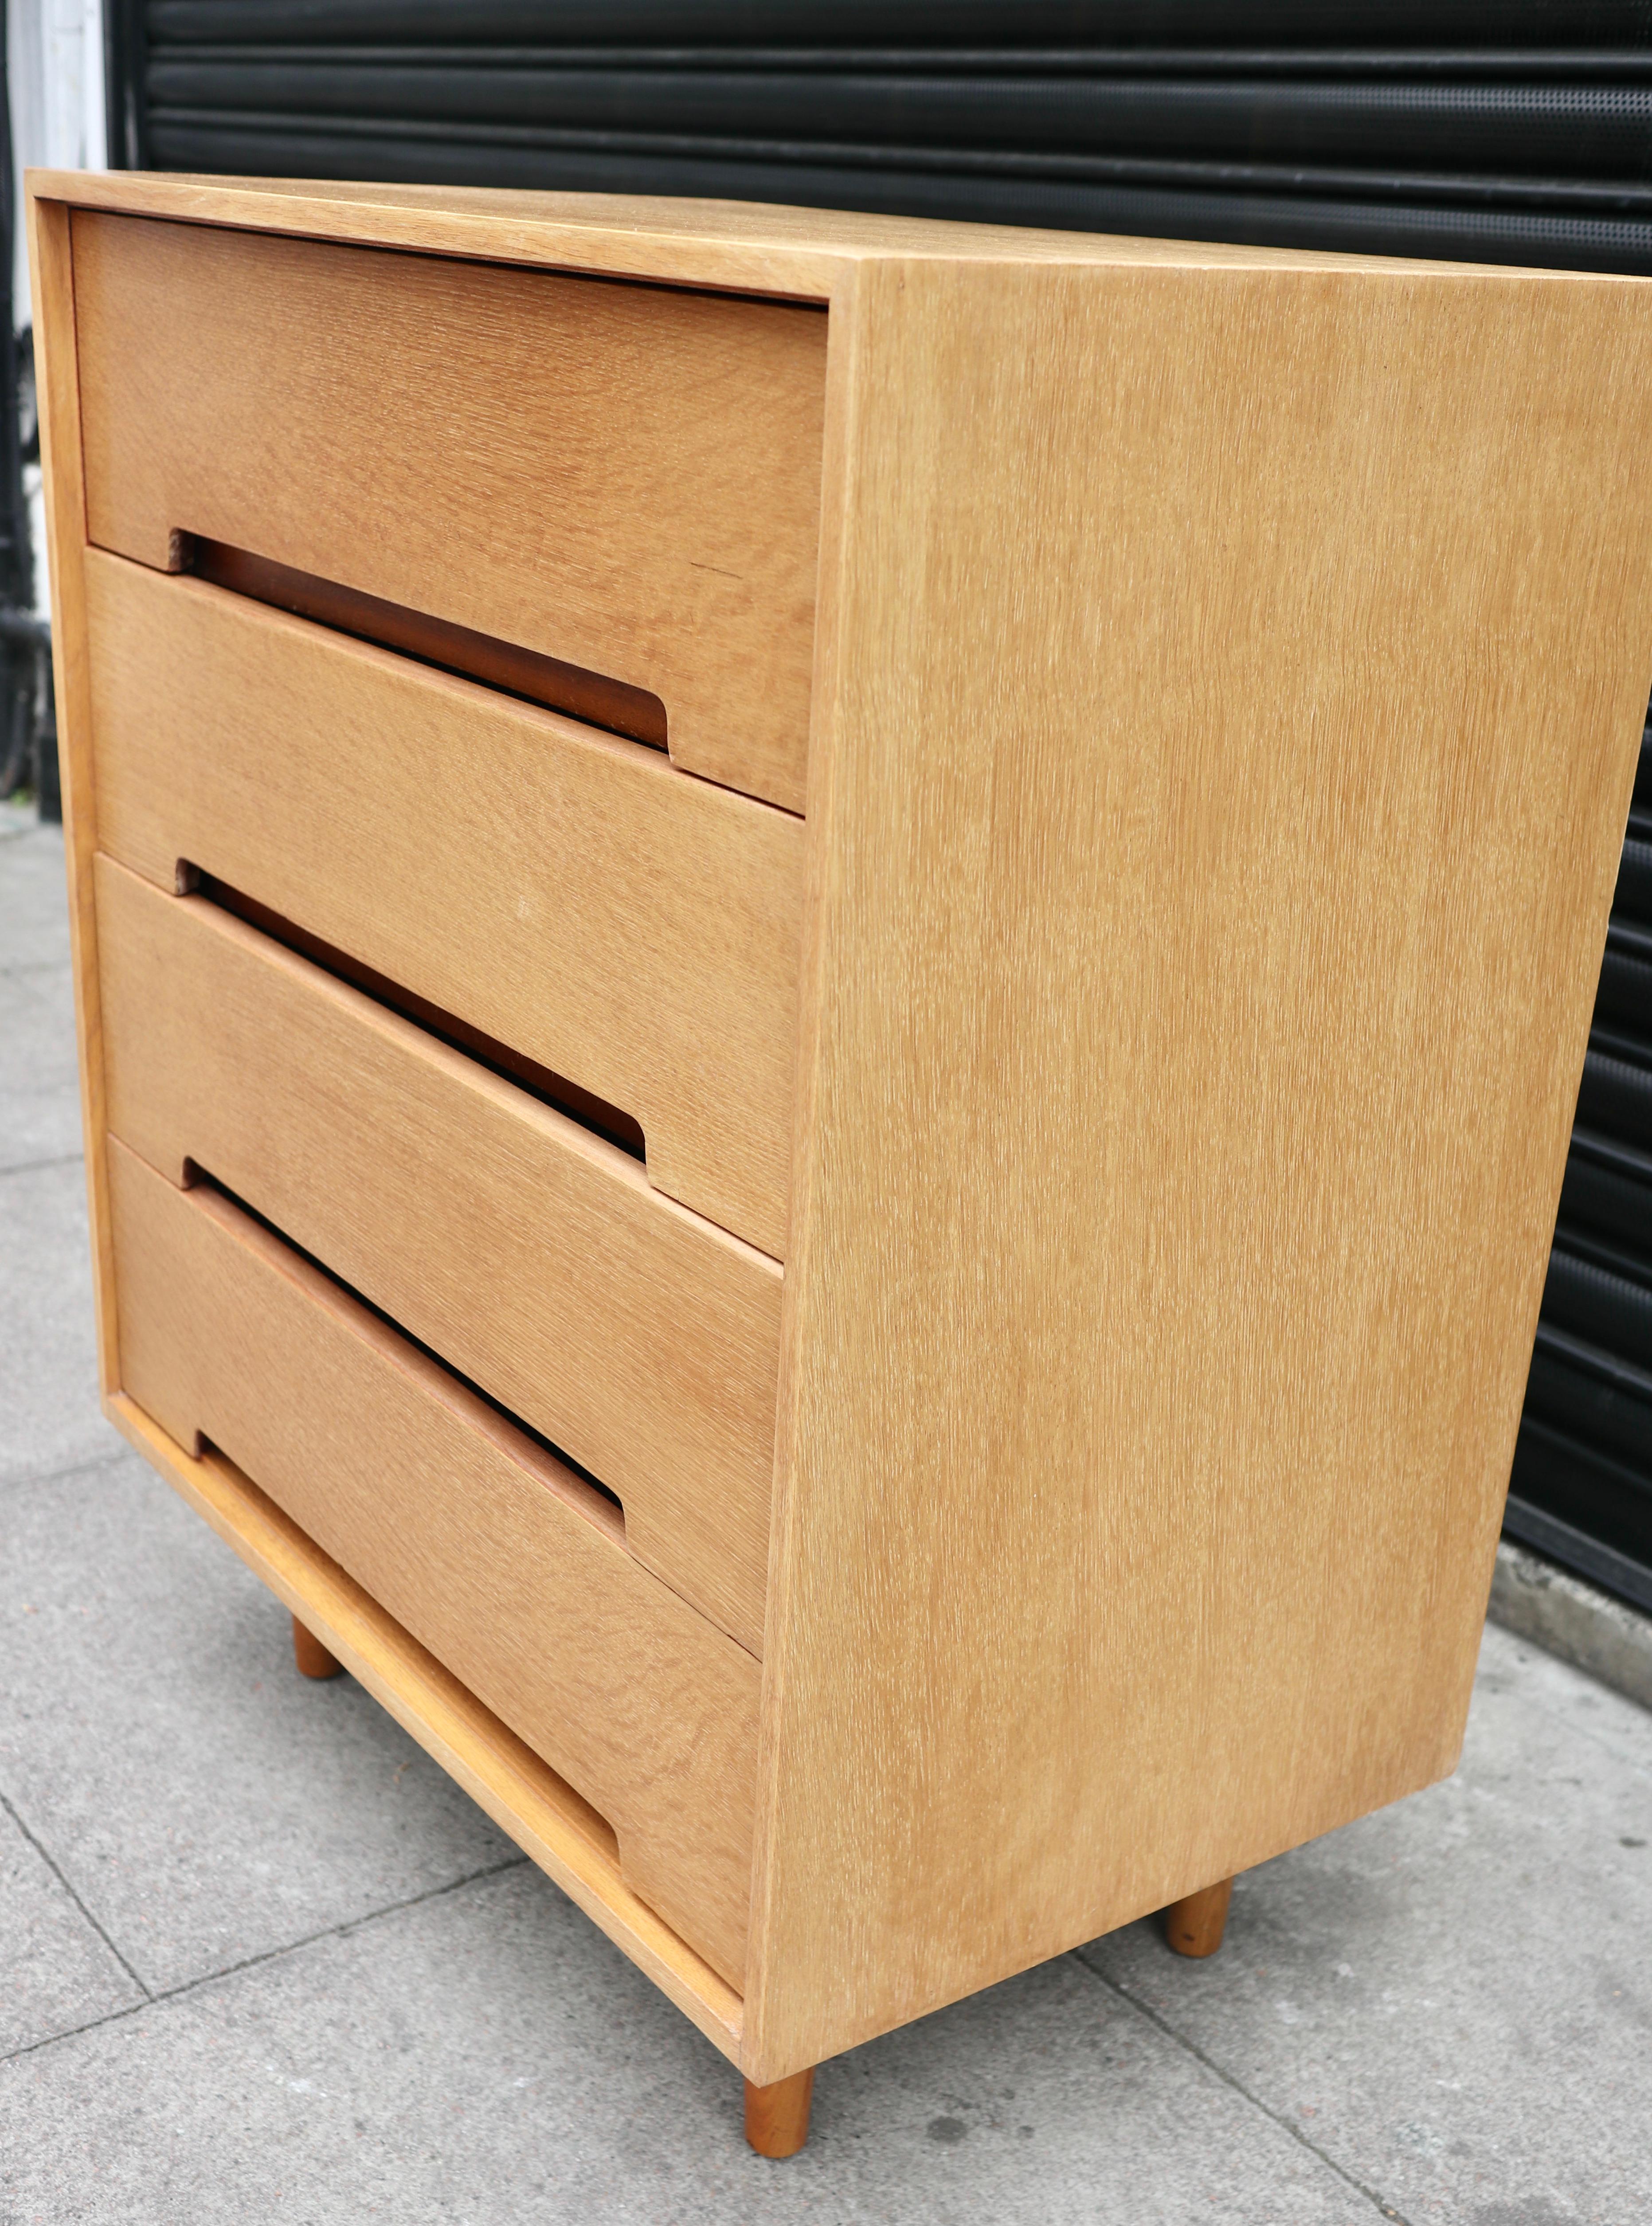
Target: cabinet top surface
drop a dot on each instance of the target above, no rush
(743, 244)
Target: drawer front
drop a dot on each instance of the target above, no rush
(533, 1257)
(494, 1556)
(573, 895)
(624, 478)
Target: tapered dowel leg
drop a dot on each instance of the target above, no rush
(776, 2118)
(311, 1656)
(1194, 1926)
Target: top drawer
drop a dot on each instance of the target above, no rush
(621, 477)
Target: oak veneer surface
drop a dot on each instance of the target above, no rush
(755, 246)
(573, 895)
(624, 478)
(57, 387)
(523, 1796)
(1230, 666)
(481, 1546)
(531, 1256)
(1190, 1053)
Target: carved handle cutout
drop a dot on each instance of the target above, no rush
(590, 696)
(563, 1096)
(572, 1482)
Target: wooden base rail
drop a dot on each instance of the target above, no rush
(548, 1821)
(776, 2117)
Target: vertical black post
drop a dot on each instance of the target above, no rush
(27, 745)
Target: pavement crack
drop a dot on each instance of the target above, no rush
(118, 1453)
(34, 1167)
(158, 1997)
(1143, 2009)
(56, 1869)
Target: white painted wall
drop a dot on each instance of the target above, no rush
(55, 62)
(54, 68)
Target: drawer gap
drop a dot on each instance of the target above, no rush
(596, 1500)
(593, 698)
(611, 1123)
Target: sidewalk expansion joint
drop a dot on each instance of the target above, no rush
(119, 1455)
(161, 1997)
(34, 1167)
(1144, 2009)
(55, 1868)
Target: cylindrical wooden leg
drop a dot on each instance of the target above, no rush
(311, 1656)
(776, 2118)
(1194, 1925)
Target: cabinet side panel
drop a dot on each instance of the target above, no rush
(1231, 711)
(57, 380)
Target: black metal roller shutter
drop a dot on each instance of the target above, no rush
(1582, 1484)
(1518, 132)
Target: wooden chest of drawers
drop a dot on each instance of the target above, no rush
(831, 973)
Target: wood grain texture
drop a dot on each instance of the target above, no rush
(776, 2118)
(1228, 702)
(544, 1815)
(624, 478)
(1228, 670)
(57, 386)
(743, 246)
(587, 697)
(507, 1566)
(531, 1256)
(569, 894)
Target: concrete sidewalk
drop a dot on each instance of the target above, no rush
(260, 1960)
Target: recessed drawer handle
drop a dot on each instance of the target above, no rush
(591, 697)
(564, 1476)
(611, 1123)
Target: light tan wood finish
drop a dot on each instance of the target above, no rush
(625, 925)
(541, 1812)
(1230, 666)
(508, 1568)
(532, 1255)
(626, 479)
(741, 246)
(57, 388)
(1160, 1300)
(311, 1657)
(777, 2117)
(1195, 1924)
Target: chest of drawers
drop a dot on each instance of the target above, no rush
(830, 974)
